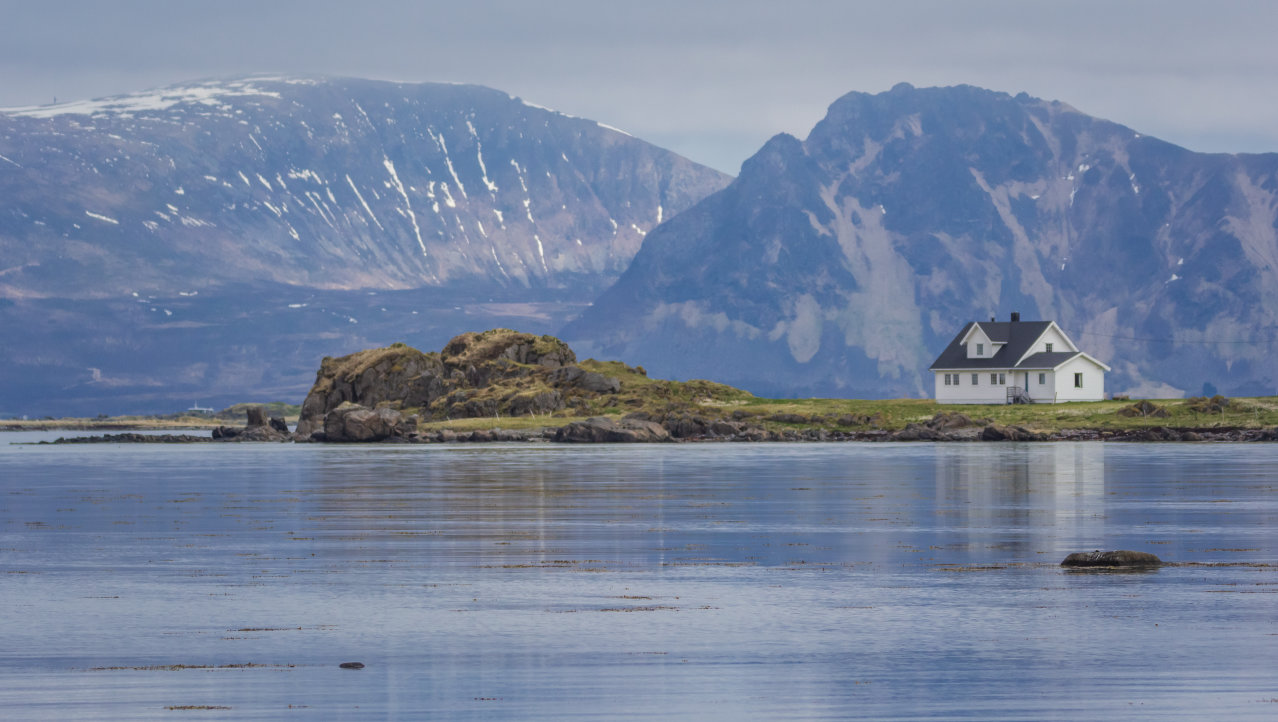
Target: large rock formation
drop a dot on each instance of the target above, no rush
(604, 430)
(494, 373)
(383, 393)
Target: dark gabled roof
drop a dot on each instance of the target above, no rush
(1016, 338)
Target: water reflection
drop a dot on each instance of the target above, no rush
(1021, 497)
(730, 581)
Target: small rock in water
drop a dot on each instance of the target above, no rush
(351, 665)
(1117, 558)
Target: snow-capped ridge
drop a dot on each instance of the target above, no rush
(207, 92)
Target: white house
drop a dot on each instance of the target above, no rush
(1005, 362)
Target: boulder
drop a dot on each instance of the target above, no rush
(533, 403)
(918, 432)
(226, 433)
(256, 417)
(1153, 433)
(998, 432)
(579, 378)
(360, 424)
(1117, 558)
(601, 429)
(256, 428)
(721, 427)
(685, 426)
(262, 433)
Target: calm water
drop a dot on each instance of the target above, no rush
(895, 581)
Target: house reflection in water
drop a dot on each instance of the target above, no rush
(1032, 501)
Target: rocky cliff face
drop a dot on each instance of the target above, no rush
(498, 372)
(501, 374)
(169, 242)
(843, 263)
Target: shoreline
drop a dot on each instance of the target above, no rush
(705, 420)
(971, 434)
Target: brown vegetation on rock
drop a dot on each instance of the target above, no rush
(1143, 408)
(1203, 405)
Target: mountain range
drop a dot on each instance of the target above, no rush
(840, 265)
(213, 240)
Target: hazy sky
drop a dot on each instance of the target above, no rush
(711, 80)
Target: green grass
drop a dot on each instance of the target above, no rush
(710, 400)
(892, 414)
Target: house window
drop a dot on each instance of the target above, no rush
(980, 349)
(947, 379)
(1002, 380)
(1049, 348)
(976, 379)
(1042, 379)
(1078, 380)
(993, 378)
(956, 379)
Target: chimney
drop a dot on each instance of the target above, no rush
(1016, 316)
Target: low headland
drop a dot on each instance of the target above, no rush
(503, 385)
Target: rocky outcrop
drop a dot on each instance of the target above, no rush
(353, 423)
(577, 377)
(398, 374)
(950, 420)
(1117, 558)
(256, 428)
(944, 426)
(604, 430)
(131, 438)
(998, 432)
(496, 373)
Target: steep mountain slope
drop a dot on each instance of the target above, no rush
(843, 263)
(227, 213)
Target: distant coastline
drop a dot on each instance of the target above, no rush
(505, 385)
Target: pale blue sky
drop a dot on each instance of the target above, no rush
(711, 80)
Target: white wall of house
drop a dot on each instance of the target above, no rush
(1042, 393)
(1057, 386)
(965, 392)
(1093, 388)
